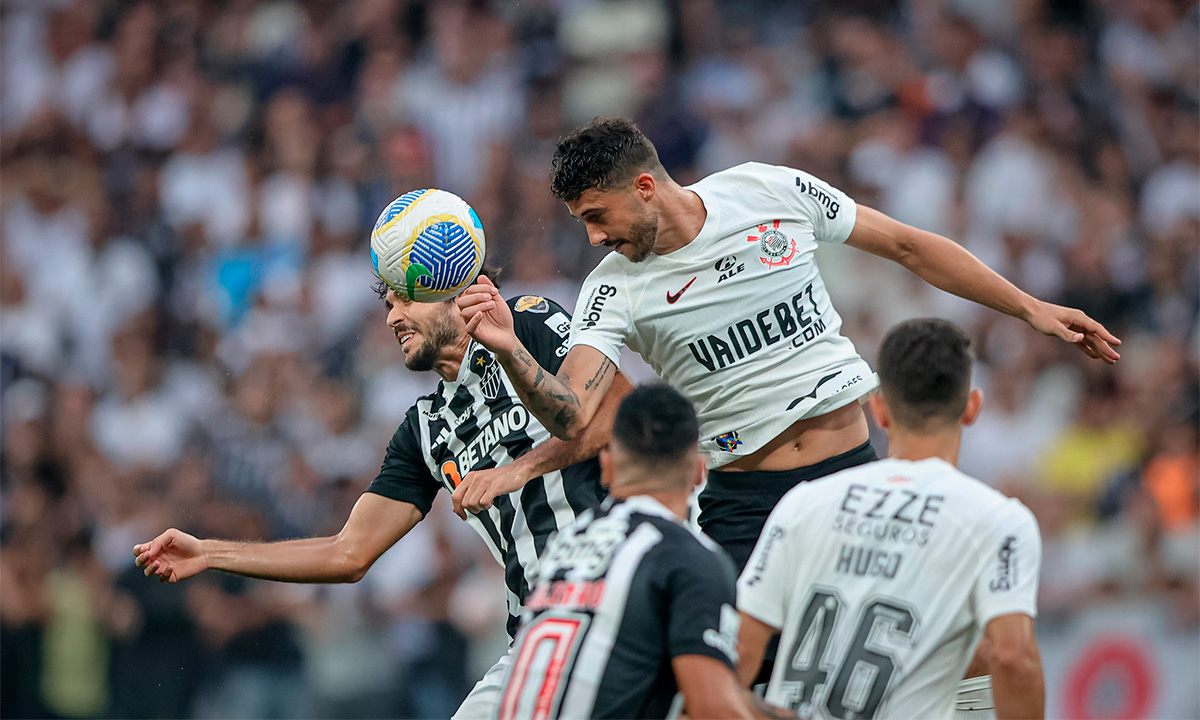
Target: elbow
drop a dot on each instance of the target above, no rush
(352, 564)
(906, 251)
(569, 425)
(1020, 662)
(354, 574)
(570, 433)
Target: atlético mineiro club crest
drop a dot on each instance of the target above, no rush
(777, 249)
(488, 370)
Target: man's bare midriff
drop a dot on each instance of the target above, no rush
(809, 441)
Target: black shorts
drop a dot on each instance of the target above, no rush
(734, 505)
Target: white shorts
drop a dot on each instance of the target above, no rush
(483, 702)
(974, 699)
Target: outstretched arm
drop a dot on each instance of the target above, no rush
(946, 265)
(375, 524)
(563, 403)
(480, 488)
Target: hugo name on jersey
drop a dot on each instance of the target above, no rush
(739, 319)
(478, 422)
(882, 579)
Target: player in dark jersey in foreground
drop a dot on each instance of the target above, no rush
(883, 577)
(473, 424)
(633, 611)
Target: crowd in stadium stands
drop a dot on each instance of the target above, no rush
(190, 339)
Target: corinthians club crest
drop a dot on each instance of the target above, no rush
(776, 247)
(486, 367)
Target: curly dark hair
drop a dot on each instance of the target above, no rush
(602, 154)
(492, 271)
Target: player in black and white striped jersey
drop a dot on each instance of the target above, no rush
(532, 484)
(633, 612)
(475, 421)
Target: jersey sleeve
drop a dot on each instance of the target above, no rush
(602, 314)
(404, 476)
(831, 212)
(765, 582)
(700, 600)
(1012, 564)
(544, 327)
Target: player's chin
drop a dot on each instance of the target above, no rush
(631, 252)
(637, 255)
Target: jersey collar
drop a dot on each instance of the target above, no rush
(708, 231)
(647, 505)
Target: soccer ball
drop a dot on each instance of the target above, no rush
(427, 245)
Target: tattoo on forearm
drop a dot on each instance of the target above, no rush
(601, 373)
(547, 396)
(524, 358)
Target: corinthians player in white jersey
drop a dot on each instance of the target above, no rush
(716, 287)
(884, 577)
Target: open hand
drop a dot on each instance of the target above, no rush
(1076, 327)
(171, 557)
(480, 488)
(489, 319)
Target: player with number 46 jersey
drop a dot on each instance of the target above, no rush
(883, 577)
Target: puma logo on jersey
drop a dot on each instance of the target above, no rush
(813, 395)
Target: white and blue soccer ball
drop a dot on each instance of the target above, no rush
(428, 245)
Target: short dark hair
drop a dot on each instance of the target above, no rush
(656, 424)
(602, 154)
(493, 272)
(925, 372)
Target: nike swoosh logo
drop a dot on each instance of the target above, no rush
(813, 395)
(674, 298)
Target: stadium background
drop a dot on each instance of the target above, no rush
(190, 339)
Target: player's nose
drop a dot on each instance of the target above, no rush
(596, 237)
(395, 317)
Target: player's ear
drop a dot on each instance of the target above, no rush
(974, 403)
(606, 467)
(701, 471)
(644, 186)
(879, 409)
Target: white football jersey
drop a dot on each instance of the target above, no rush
(882, 578)
(738, 320)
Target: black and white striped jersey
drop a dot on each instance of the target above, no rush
(622, 592)
(478, 422)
